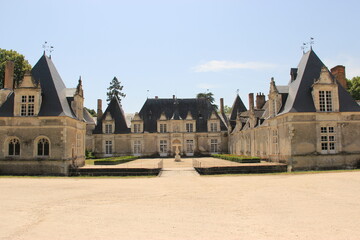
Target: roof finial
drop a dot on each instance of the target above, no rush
(237, 91)
(305, 45)
(47, 48)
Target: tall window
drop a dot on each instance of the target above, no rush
(136, 128)
(137, 146)
(213, 145)
(327, 139)
(190, 146)
(163, 146)
(14, 147)
(163, 128)
(27, 105)
(108, 128)
(43, 147)
(189, 127)
(325, 101)
(213, 127)
(108, 147)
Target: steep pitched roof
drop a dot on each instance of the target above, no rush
(300, 98)
(115, 110)
(54, 101)
(53, 91)
(237, 107)
(200, 109)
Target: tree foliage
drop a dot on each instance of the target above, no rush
(354, 87)
(21, 65)
(91, 111)
(115, 90)
(209, 96)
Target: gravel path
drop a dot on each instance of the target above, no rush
(299, 206)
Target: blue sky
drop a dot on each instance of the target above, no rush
(165, 48)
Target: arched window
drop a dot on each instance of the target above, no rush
(14, 147)
(43, 147)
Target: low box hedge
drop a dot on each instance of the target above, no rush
(114, 160)
(237, 158)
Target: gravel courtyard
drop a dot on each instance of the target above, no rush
(296, 206)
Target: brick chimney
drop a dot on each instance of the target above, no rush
(251, 101)
(339, 74)
(99, 109)
(222, 106)
(9, 75)
(260, 100)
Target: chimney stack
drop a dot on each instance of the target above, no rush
(174, 97)
(9, 75)
(251, 101)
(339, 74)
(222, 106)
(99, 109)
(156, 97)
(260, 100)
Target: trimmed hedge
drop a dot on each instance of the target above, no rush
(237, 158)
(114, 160)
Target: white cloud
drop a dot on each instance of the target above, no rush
(217, 66)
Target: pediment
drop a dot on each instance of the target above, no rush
(189, 116)
(163, 116)
(136, 117)
(325, 77)
(28, 82)
(108, 117)
(213, 116)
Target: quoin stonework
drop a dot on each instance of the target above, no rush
(311, 123)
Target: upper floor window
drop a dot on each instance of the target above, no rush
(325, 101)
(189, 127)
(213, 127)
(43, 147)
(163, 128)
(27, 105)
(137, 128)
(14, 147)
(108, 128)
(327, 139)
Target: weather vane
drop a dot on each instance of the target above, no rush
(306, 45)
(47, 48)
(237, 91)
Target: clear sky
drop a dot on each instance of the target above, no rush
(181, 47)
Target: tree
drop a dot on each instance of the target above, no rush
(21, 65)
(91, 111)
(354, 87)
(115, 90)
(209, 96)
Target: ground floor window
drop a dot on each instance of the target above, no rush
(190, 146)
(137, 147)
(327, 139)
(213, 145)
(14, 147)
(163, 146)
(43, 147)
(108, 147)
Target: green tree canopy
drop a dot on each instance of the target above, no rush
(115, 90)
(209, 96)
(21, 65)
(354, 87)
(91, 111)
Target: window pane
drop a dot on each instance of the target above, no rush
(324, 146)
(46, 148)
(17, 148)
(11, 149)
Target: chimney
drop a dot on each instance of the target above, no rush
(260, 100)
(339, 74)
(174, 97)
(99, 109)
(251, 101)
(293, 74)
(156, 97)
(9, 75)
(222, 106)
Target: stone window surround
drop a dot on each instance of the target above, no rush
(7, 143)
(36, 142)
(327, 140)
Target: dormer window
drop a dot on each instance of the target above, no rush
(189, 127)
(108, 128)
(213, 127)
(137, 128)
(27, 105)
(163, 128)
(325, 101)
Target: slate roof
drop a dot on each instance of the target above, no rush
(53, 90)
(237, 107)
(300, 99)
(117, 114)
(200, 109)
